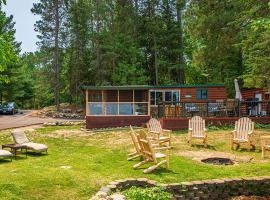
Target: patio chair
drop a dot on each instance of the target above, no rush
(231, 107)
(151, 153)
(197, 130)
(160, 135)
(134, 137)
(5, 154)
(19, 137)
(242, 133)
(265, 141)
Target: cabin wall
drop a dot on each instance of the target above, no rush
(115, 121)
(214, 93)
(189, 94)
(250, 94)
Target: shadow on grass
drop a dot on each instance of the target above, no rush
(201, 146)
(5, 160)
(36, 154)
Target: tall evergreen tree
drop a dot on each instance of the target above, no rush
(52, 13)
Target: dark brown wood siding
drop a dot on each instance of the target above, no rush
(115, 121)
(250, 93)
(214, 93)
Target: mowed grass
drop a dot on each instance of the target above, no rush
(95, 160)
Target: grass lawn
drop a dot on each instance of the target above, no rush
(96, 160)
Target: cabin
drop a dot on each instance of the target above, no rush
(255, 94)
(117, 106)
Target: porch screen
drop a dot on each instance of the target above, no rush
(118, 102)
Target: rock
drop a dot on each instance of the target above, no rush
(101, 194)
(117, 196)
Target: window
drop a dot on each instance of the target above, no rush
(141, 109)
(156, 97)
(153, 98)
(176, 96)
(159, 97)
(202, 93)
(167, 96)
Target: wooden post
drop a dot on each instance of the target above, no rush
(133, 102)
(149, 104)
(118, 102)
(102, 103)
(207, 107)
(86, 102)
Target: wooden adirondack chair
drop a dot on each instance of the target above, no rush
(150, 153)
(197, 130)
(134, 137)
(244, 129)
(160, 135)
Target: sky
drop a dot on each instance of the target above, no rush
(25, 20)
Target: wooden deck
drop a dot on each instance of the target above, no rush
(182, 123)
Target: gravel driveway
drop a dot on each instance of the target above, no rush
(25, 119)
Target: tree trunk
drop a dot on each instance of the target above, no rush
(156, 61)
(181, 62)
(98, 58)
(56, 56)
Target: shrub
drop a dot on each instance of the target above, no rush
(152, 193)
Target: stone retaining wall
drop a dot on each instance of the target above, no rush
(206, 189)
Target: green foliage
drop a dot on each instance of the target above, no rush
(152, 193)
(8, 51)
(216, 128)
(227, 40)
(262, 126)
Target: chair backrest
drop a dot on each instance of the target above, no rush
(243, 127)
(134, 138)
(19, 137)
(230, 104)
(146, 146)
(154, 125)
(197, 124)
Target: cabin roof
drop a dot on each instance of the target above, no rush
(148, 87)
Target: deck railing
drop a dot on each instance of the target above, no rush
(227, 108)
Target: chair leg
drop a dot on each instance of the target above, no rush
(205, 142)
(133, 157)
(232, 143)
(167, 163)
(140, 164)
(150, 169)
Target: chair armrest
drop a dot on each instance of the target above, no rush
(165, 130)
(154, 132)
(250, 133)
(190, 129)
(205, 129)
(233, 131)
(162, 148)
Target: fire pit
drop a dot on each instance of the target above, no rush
(218, 161)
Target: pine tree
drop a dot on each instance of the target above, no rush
(50, 27)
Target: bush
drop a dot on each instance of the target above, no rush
(152, 193)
